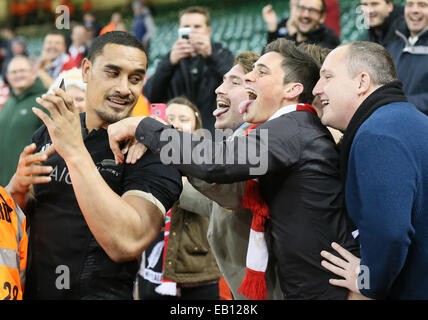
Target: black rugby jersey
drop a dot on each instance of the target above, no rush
(62, 247)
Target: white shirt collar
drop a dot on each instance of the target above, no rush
(75, 51)
(283, 110)
(415, 39)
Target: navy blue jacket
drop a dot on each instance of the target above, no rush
(412, 67)
(387, 199)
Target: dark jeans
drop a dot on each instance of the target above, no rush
(146, 291)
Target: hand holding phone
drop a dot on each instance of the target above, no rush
(183, 33)
(182, 48)
(56, 84)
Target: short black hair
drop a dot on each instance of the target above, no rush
(246, 60)
(297, 65)
(323, 7)
(116, 37)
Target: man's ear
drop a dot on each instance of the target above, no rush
(364, 83)
(292, 91)
(86, 69)
(322, 19)
(390, 6)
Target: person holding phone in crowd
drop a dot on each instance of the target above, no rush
(194, 67)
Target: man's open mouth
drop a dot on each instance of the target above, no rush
(252, 95)
(325, 102)
(305, 21)
(222, 107)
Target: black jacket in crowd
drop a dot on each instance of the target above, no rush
(194, 77)
(387, 31)
(323, 36)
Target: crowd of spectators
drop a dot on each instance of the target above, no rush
(327, 181)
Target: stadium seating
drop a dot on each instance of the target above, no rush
(239, 29)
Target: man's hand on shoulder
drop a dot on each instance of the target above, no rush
(120, 131)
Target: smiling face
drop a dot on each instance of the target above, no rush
(376, 11)
(309, 15)
(337, 91)
(53, 46)
(114, 83)
(265, 88)
(416, 15)
(229, 95)
(20, 74)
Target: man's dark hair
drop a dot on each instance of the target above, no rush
(387, 1)
(246, 60)
(116, 37)
(297, 65)
(316, 52)
(323, 7)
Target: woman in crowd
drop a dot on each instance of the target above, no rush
(180, 263)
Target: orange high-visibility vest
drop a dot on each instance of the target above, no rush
(13, 248)
(141, 107)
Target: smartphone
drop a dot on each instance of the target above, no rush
(183, 33)
(158, 110)
(62, 84)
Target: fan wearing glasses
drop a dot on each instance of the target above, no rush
(309, 17)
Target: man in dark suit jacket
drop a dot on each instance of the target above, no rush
(296, 164)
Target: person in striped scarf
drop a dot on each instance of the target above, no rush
(296, 168)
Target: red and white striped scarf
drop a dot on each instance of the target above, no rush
(167, 287)
(254, 284)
